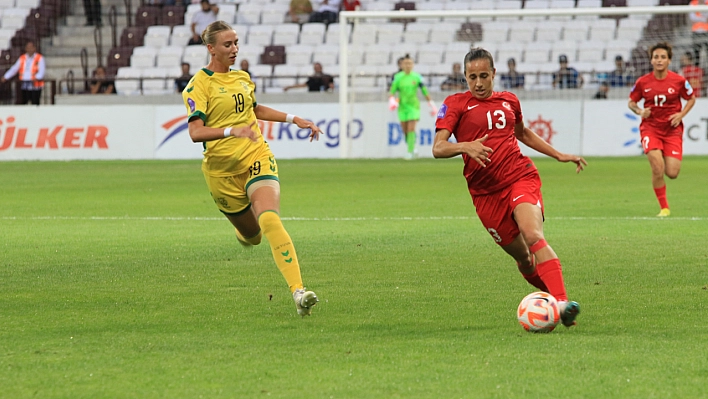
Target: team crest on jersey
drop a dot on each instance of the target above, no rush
(506, 105)
(442, 111)
(244, 85)
(192, 105)
(671, 90)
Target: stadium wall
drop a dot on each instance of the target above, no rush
(590, 128)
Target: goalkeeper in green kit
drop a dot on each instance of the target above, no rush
(406, 83)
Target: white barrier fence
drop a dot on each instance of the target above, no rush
(589, 128)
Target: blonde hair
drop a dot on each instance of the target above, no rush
(209, 34)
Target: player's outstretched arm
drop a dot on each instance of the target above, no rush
(269, 114)
(533, 141)
(476, 150)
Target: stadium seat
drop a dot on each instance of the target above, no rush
(495, 32)
(261, 35)
(594, 4)
(591, 51)
(364, 78)
(7, 4)
(180, 35)
(390, 33)
(537, 52)
(279, 71)
(508, 5)
(379, 54)
(418, 33)
(431, 5)
(441, 70)
(128, 87)
(274, 14)
(143, 57)
(191, 10)
(332, 34)
(250, 53)
(14, 18)
(630, 29)
(535, 5)
(522, 31)
(456, 6)
(326, 54)
(5, 37)
(273, 55)
(565, 47)
(561, 4)
(576, 30)
(173, 15)
(355, 55)
(249, 14)
(430, 54)
(365, 34)
(300, 54)
(132, 36)
(469, 32)
(261, 75)
(227, 13)
(510, 50)
(286, 34)
(169, 56)
(460, 48)
(619, 47)
(147, 15)
(312, 33)
(154, 81)
(548, 32)
(443, 33)
(28, 4)
(196, 57)
(603, 29)
(157, 36)
(119, 57)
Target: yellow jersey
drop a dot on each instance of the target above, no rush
(222, 100)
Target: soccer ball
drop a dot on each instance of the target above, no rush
(538, 312)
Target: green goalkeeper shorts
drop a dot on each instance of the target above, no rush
(408, 113)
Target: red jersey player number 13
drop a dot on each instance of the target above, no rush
(504, 184)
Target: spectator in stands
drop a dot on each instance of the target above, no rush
(566, 77)
(456, 81)
(620, 77)
(699, 30)
(300, 11)
(100, 83)
(30, 67)
(244, 67)
(201, 20)
(351, 5)
(327, 11)
(318, 81)
(92, 9)
(512, 79)
(692, 73)
(182, 81)
(602, 91)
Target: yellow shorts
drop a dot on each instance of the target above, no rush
(231, 193)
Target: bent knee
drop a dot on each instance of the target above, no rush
(672, 174)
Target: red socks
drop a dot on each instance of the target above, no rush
(552, 276)
(535, 280)
(661, 196)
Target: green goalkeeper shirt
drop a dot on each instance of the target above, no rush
(407, 86)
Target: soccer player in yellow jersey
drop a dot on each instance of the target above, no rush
(238, 166)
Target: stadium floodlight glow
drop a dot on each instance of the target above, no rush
(347, 17)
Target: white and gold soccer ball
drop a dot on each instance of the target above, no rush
(538, 312)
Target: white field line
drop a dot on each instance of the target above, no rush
(344, 219)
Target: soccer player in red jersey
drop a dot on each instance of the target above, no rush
(504, 184)
(662, 126)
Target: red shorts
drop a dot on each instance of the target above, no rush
(496, 210)
(669, 143)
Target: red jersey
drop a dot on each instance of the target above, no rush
(663, 97)
(694, 74)
(469, 119)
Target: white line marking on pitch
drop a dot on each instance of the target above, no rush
(335, 219)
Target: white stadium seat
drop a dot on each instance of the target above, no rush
(312, 33)
(128, 87)
(286, 34)
(157, 36)
(143, 57)
(169, 56)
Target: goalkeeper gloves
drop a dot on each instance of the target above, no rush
(392, 103)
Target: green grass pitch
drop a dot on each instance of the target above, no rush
(122, 280)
